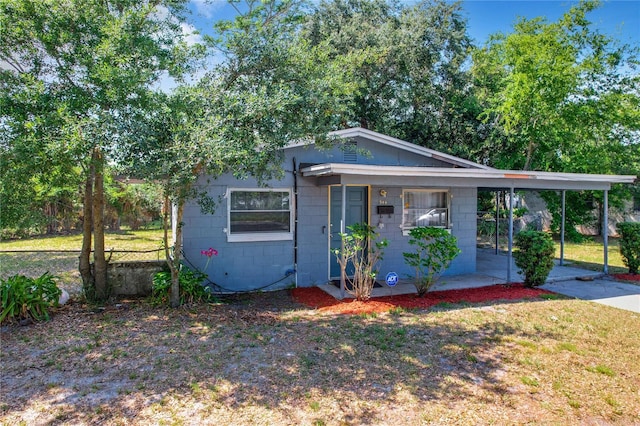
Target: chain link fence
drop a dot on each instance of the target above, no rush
(63, 263)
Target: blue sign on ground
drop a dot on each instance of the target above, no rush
(392, 279)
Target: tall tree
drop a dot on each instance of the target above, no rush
(407, 63)
(71, 69)
(563, 97)
(269, 88)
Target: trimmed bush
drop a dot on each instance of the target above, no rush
(435, 248)
(25, 298)
(534, 256)
(630, 245)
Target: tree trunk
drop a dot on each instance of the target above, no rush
(165, 228)
(530, 149)
(100, 263)
(601, 223)
(84, 265)
(174, 298)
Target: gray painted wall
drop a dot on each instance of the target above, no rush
(463, 218)
(380, 154)
(243, 266)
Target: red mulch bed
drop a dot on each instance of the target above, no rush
(318, 299)
(627, 277)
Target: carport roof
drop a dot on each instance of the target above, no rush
(364, 174)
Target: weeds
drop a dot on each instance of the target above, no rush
(601, 369)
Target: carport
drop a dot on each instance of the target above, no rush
(530, 180)
(479, 178)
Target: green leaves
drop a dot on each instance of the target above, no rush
(191, 287)
(550, 86)
(534, 256)
(361, 250)
(435, 248)
(630, 245)
(404, 66)
(26, 298)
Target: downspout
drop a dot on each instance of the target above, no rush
(497, 221)
(295, 221)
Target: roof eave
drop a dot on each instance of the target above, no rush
(473, 177)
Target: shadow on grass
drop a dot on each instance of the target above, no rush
(597, 267)
(257, 350)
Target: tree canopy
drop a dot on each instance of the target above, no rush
(564, 95)
(560, 96)
(407, 63)
(71, 72)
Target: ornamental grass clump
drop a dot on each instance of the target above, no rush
(630, 245)
(435, 248)
(534, 256)
(25, 298)
(360, 250)
(191, 288)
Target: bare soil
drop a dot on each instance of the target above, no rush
(267, 359)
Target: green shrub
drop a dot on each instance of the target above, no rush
(630, 245)
(28, 298)
(534, 256)
(191, 288)
(435, 249)
(360, 249)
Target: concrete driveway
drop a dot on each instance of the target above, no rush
(600, 290)
(591, 285)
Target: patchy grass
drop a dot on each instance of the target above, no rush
(588, 254)
(263, 359)
(145, 239)
(64, 265)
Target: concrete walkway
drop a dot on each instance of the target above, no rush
(492, 269)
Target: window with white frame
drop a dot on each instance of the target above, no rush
(425, 207)
(259, 215)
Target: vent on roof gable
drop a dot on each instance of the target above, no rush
(350, 153)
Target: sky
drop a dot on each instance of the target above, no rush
(617, 18)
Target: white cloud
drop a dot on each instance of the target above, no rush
(190, 33)
(207, 8)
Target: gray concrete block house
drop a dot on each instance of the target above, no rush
(280, 235)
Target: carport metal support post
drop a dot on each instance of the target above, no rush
(497, 220)
(605, 231)
(510, 249)
(343, 230)
(564, 199)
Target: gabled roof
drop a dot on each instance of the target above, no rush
(399, 144)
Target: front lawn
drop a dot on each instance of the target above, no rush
(263, 359)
